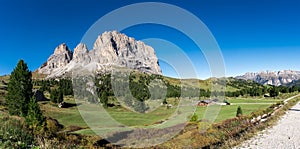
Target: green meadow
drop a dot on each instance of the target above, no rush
(71, 116)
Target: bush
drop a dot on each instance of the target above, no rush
(52, 127)
(13, 134)
(194, 118)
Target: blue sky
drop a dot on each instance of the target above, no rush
(254, 35)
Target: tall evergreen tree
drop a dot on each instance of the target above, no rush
(56, 96)
(60, 97)
(274, 91)
(19, 90)
(104, 99)
(34, 116)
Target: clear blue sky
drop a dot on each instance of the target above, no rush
(254, 35)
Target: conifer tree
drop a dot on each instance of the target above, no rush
(104, 99)
(34, 116)
(60, 97)
(239, 112)
(56, 96)
(19, 90)
(274, 92)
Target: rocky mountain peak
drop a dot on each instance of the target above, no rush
(62, 49)
(110, 49)
(60, 58)
(80, 52)
(113, 39)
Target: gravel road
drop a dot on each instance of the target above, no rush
(284, 135)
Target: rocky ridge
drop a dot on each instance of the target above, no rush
(276, 78)
(60, 58)
(111, 49)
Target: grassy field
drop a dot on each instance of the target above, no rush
(227, 112)
(66, 116)
(253, 100)
(71, 116)
(248, 106)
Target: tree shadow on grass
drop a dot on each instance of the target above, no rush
(70, 105)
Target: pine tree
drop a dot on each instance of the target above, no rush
(53, 95)
(56, 96)
(104, 98)
(274, 92)
(60, 97)
(239, 112)
(19, 90)
(34, 116)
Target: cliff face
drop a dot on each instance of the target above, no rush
(60, 58)
(272, 78)
(111, 49)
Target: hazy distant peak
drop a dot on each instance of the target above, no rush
(276, 78)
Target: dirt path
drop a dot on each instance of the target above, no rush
(284, 135)
(262, 103)
(291, 98)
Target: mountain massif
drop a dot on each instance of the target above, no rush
(277, 78)
(111, 49)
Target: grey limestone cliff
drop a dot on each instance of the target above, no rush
(111, 49)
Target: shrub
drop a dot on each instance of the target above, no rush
(52, 127)
(13, 134)
(194, 118)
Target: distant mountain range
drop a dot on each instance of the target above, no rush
(111, 49)
(277, 78)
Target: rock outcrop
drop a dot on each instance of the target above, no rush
(81, 54)
(278, 78)
(59, 59)
(111, 49)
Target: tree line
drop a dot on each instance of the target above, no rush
(57, 88)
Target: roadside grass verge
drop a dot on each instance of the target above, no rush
(228, 133)
(232, 142)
